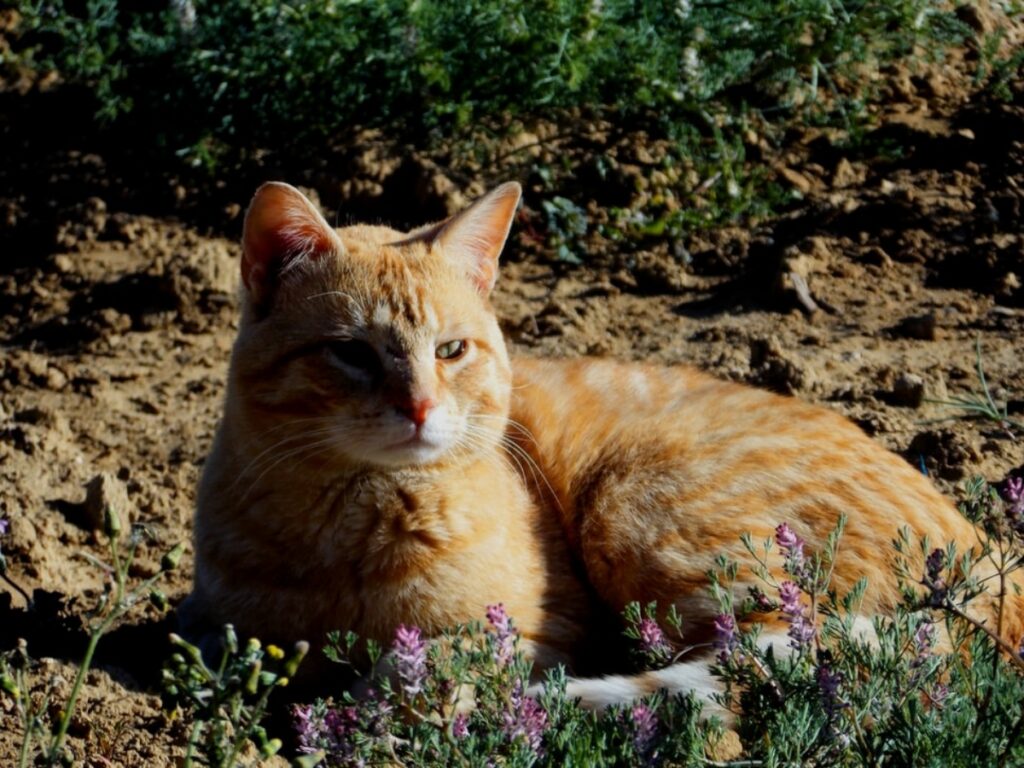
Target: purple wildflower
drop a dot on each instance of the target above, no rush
(924, 639)
(936, 560)
(504, 634)
(789, 593)
(652, 639)
(829, 681)
(801, 628)
(330, 730)
(309, 728)
(762, 602)
(725, 635)
(460, 726)
(5, 526)
(934, 564)
(939, 694)
(786, 539)
(1014, 493)
(1015, 490)
(525, 717)
(1020, 648)
(410, 652)
(792, 547)
(645, 724)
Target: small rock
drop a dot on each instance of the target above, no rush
(110, 318)
(923, 327)
(907, 391)
(56, 380)
(1008, 285)
(103, 491)
(36, 366)
(63, 263)
(846, 174)
(771, 367)
(798, 180)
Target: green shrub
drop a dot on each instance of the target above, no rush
(235, 77)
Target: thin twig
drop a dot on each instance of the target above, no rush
(1004, 646)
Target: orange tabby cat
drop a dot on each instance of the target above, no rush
(381, 460)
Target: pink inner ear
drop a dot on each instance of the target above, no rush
(475, 237)
(281, 228)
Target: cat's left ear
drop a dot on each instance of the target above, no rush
(282, 227)
(474, 238)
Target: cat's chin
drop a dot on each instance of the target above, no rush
(409, 453)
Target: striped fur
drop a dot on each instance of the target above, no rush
(563, 488)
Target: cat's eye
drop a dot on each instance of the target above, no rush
(451, 350)
(355, 354)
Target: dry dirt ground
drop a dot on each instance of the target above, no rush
(115, 335)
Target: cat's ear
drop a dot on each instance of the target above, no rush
(474, 238)
(282, 228)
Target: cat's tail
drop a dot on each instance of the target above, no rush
(683, 677)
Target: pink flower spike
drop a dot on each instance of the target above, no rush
(503, 635)
(645, 723)
(497, 617)
(460, 726)
(785, 537)
(410, 652)
(725, 632)
(652, 639)
(789, 593)
(1015, 489)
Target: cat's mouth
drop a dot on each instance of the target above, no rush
(417, 440)
(414, 448)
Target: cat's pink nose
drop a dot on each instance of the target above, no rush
(416, 410)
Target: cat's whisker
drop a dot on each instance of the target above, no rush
(291, 423)
(535, 469)
(508, 421)
(331, 427)
(258, 459)
(316, 447)
(521, 457)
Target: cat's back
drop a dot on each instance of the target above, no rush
(587, 407)
(658, 469)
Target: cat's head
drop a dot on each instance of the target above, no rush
(367, 345)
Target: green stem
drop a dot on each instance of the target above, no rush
(193, 739)
(65, 721)
(255, 715)
(1004, 646)
(120, 572)
(26, 741)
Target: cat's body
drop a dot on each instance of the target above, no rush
(382, 461)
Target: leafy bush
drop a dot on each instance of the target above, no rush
(462, 699)
(246, 75)
(227, 701)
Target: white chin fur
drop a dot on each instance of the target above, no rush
(407, 455)
(397, 443)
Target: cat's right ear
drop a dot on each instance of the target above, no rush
(282, 228)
